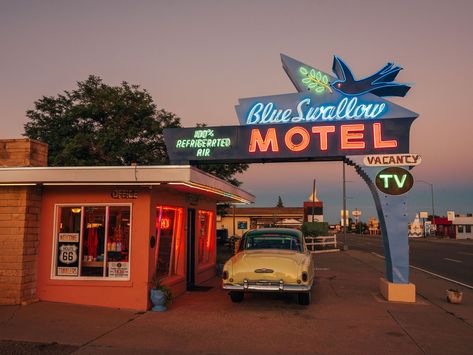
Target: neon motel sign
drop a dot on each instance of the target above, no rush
(327, 118)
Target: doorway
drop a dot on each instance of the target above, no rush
(190, 268)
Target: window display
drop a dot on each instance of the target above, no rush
(170, 251)
(93, 241)
(206, 236)
(68, 242)
(118, 241)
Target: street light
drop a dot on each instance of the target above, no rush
(357, 215)
(433, 207)
(345, 215)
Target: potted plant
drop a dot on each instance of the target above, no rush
(454, 295)
(160, 295)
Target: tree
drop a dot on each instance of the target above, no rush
(99, 124)
(280, 204)
(314, 229)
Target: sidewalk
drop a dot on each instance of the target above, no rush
(443, 240)
(347, 316)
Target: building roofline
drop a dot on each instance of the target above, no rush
(184, 175)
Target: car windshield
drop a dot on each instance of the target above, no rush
(272, 241)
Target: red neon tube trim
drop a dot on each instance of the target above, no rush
(378, 140)
(350, 132)
(300, 146)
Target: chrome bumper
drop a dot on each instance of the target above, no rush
(261, 286)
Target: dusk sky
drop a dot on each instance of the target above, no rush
(197, 58)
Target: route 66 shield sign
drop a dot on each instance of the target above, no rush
(68, 254)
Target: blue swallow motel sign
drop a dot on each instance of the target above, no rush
(329, 118)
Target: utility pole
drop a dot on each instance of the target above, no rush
(433, 206)
(313, 201)
(345, 217)
(433, 209)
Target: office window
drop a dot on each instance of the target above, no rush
(93, 241)
(170, 248)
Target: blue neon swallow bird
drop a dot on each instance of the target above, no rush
(380, 83)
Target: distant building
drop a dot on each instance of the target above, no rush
(415, 228)
(454, 227)
(444, 228)
(313, 209)
(373, 226)
(463, 225)
(240, 219)
(237, 221)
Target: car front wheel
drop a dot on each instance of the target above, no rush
(236, 297)
(303, 298)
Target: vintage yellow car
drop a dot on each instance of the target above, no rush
(270, 260)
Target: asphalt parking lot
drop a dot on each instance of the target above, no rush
(347, 316)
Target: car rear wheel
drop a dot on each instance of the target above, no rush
(303, 298)
(236, 297)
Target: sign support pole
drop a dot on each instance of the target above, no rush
(393, 221)
(313, 201)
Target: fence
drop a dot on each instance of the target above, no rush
(322, 243)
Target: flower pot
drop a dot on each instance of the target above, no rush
(454, 296)
(158, 298)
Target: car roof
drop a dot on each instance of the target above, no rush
(272, 231)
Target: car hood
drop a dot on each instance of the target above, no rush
(285, 265)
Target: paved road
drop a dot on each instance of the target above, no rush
(347, 316)
(452, 259)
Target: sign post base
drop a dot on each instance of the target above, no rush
(395, 292)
